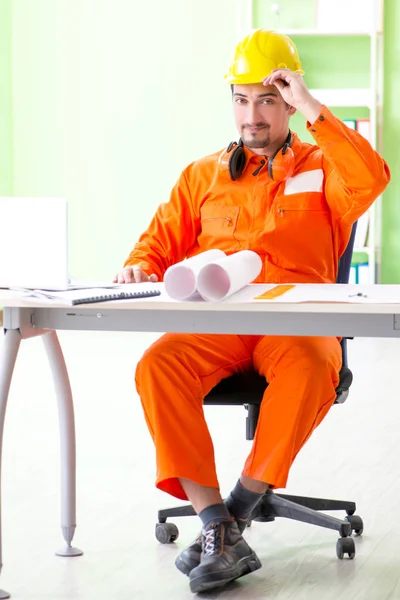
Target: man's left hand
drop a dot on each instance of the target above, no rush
(294, 91)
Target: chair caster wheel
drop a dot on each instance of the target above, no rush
(248, 524)
(345, 545)
(356, 523)
(166, 533)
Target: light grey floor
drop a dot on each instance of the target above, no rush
(355, 455)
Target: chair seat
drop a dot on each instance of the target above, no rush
(249, 388)
(241, 388)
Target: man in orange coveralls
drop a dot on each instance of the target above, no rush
(294, 204)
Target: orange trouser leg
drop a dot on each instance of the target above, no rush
(302, 373)
(172, 378)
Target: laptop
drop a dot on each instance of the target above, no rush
(33, 243)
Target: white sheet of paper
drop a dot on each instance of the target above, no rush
(304, 292)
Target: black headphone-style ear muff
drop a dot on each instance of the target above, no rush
(237, 160)
(282, 152)
(280, 164)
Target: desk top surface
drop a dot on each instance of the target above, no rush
(306, 298)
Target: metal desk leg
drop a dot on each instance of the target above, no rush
(12, 340)
(67, 442)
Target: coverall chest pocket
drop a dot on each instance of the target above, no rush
(218, 226)
(303, 230)
(310, 202)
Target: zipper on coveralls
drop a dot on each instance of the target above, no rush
(228, 219)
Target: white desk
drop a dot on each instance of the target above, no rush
(27, 318)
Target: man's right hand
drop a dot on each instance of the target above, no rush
(133, 275)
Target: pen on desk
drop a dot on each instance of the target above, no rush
(359, 294)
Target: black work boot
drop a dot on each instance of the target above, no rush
(225, 557)
(190, 557)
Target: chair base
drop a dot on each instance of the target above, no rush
(297, 508)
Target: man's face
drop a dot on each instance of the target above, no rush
(261, 115)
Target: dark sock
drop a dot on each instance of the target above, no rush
(216, 513)
(241, 501)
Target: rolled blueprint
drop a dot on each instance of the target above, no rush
(225, 276)
(180, 280)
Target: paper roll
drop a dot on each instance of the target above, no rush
(224, 277)
(180, 280)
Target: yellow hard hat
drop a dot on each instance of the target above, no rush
(259, 53)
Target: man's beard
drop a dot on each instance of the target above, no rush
(260, 139)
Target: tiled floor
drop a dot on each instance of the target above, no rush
(355, 454)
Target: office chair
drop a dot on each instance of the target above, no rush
(247, 389)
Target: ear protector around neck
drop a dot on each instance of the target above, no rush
(280, 164)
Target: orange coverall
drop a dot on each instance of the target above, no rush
(299, 228)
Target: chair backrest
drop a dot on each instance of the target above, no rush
(343, 274)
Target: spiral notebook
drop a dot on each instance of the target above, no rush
(93, 295)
